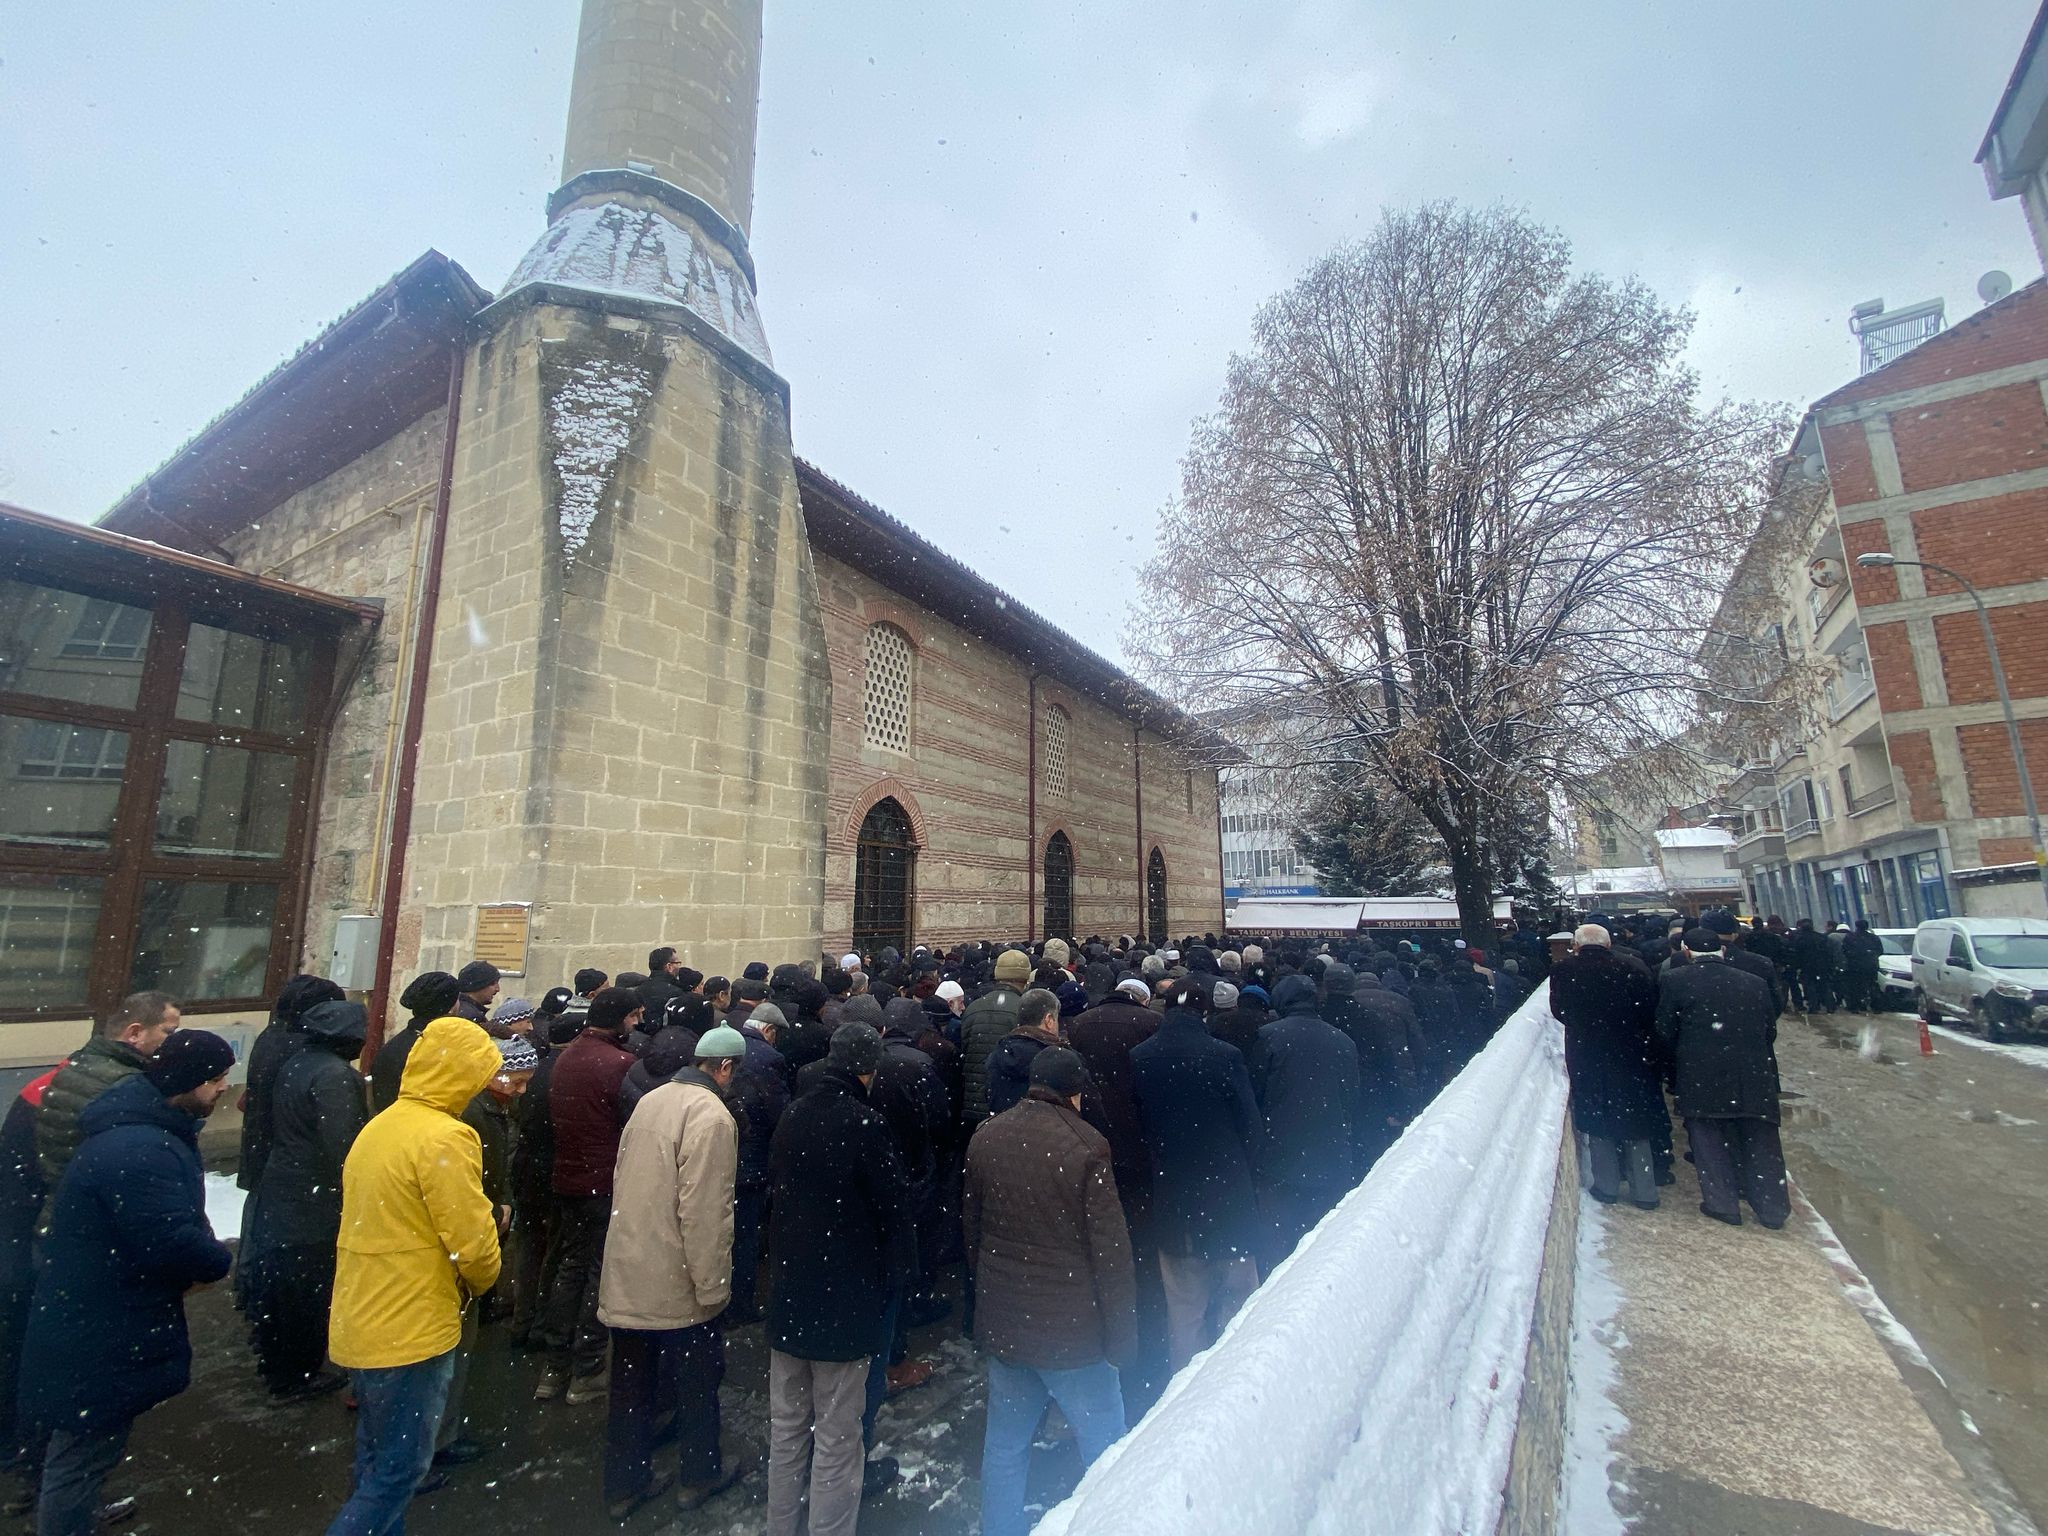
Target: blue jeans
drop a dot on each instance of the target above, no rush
(74, 1469)
(1091, 1397)
(398, 1410)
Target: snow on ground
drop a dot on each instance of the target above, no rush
(2032, 1055)
(1594, 1425)
(1857, 1287)
(1374, 1381)
(224, 1199)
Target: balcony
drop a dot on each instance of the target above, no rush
(1846, 693)
(1876, 799)
(1798, 829)
(1754, 847)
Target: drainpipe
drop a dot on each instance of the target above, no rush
(400, 831)
(1222, 906)
(1144, 864)
(1031, 816)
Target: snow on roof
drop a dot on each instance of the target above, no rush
(1615, 882)
(1695, 837)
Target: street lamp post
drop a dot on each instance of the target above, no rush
(2012, 726)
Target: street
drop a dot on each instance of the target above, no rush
(1929, 1170)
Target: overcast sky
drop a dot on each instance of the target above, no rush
(1003, 261)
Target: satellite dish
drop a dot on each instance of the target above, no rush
(1993, 286)
(1825, 572)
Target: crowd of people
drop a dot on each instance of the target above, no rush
(1654, 1007)
(1106, 1142)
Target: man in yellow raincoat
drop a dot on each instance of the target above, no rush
(418, 1240)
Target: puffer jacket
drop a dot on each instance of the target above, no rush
(317, 1113)
(1046, 1241)
(93, 1068)
(418, 1237)
(128, 1237)
(988, 1021)
(668, 1251)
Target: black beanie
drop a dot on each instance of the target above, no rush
(757, 970)
(856, 1048)
(611, 1007)
(430, 996)
(187, 1058)
(1060, 1070)
(475, 976)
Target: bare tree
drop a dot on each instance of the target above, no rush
(1459, 517)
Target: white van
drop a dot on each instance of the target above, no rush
(1989, 972)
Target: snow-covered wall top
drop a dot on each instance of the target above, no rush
(1373, 1382)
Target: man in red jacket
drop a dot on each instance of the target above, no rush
(583, 1106)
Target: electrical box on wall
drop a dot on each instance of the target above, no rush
(353, 964)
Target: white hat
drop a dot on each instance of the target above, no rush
(1592, 933)
(947, 991)
(1170, 954)
(1135, 989)
(849, 962)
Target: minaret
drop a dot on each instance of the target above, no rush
(630, 703)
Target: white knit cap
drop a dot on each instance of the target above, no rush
(849, 962)
(947, 991)
(1135, 989)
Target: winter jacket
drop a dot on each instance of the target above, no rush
(1861, 953)
(1201, 1124)
(491, 1119)
(668, 1250)
(1105, 1036)
(1045, 1237)
(1240, 1027)
(1608, 1004)
(1008, 1072)
(418, 1237)
(1510, 991)
(989, 1019)
(317, 1113)
(1307, 1088)
(670, 1050)
(1395, 1064)
(758, 1096)
(583, 1106)
(387, 1067)
(276, 1045)
(1764, 972)
(533, 1141)
(934, 1039)
(840, 1233)
(909, 1094)
(128, 1237)
(1718, 1023)
(21, 1181)
(91, 1070)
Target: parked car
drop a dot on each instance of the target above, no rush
(1895, 971)
(1989, 972)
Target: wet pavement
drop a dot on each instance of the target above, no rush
(1931, 1170)
(221, 1458)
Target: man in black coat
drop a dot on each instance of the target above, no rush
(1813, 967)
(1861, 952)
(1734, 947)
(1201, 1124)
(1306, 1082)
(1008, 1071)
(427, 997)
(1608, 1004)
(1394, 1071)
(128, 1237)
(288, 1253)
(661, 986)
(840, 1244)
(1718, 1023)
(758, 1097)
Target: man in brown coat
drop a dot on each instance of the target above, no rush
(667, 1276)
(1055, 1304)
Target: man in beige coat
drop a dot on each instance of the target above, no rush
(667, 1276)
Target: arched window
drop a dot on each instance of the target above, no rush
(883, 860)
(1056, 734)
(1155, 898)
(1059, 887)
(887, 688)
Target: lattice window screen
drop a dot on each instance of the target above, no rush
(1056, 752)
(888, 688)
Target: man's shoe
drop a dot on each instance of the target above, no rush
(691, 1496)
(459, 1453)
(319, 1384)
(879, 1475)
(116, 1511)
(909, 1375)
(1733, 1221)
(433, 1482)
(552, 1381)
(622, 1509)
(587, 1389)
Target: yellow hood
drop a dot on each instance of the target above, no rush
(449, 1065)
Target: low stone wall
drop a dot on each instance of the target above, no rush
(1536, 1465)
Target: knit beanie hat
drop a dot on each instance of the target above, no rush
(1135, 989)
(1057, 952)
(519, 1054)
(856, 1048)
(430, 995)
(514, 1010)
(1073, 998)
(1013, 966)
(187, 1058)
(721, 1044)
(757, 970)
(1222, 996)
(611, 1007)
(475, 976)
(861, 1010)
(948, 991)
